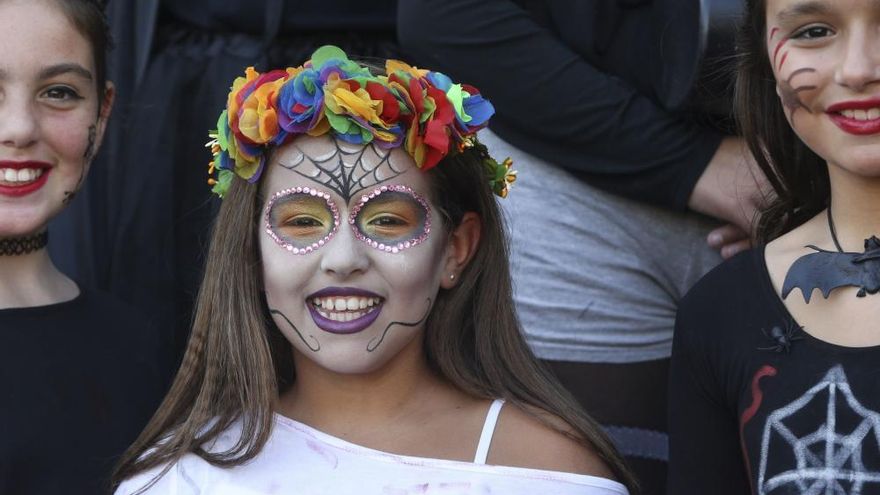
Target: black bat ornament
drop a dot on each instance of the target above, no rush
(828, 270)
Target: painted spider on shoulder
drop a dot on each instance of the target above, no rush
(782, 338)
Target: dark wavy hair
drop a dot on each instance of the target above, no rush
(237, 361)
(798, 175)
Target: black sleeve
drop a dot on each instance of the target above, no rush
(553, 104)
(705, 455)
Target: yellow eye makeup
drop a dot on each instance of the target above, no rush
(301, 219)
(391, 218)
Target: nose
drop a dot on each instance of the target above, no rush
(18, 122)
(860, 65)
(345, 255)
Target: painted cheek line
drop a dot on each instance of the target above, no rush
(798, 72)
(790, 98)
(88, 155)
(782, 61)
(776, 51)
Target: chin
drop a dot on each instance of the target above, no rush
(12, 225)
(352, 365)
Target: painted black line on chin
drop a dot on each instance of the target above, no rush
(371, 347)
(317, 344)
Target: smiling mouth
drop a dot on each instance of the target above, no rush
(857, 118)
(345, 308)
(22, 180)
(861, 114)
(344, 314)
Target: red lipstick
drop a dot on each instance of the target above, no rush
(851, 125)
(24, 188)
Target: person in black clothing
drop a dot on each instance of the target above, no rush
(602, 104)
(774, 371)
(78, 370)
(143, 230)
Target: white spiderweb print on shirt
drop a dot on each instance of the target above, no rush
(810, 450)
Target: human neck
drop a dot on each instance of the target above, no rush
(855, 207)
(31, 279)
(370, 399)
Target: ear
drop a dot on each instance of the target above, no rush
(462, 245)
(104, 111)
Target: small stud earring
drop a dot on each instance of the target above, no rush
(451, 276)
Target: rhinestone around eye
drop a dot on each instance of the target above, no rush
(352, 219)
(300, 190)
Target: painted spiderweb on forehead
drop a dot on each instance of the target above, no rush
(344, 168)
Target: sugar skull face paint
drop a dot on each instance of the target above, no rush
(343, 302)
(825, 56)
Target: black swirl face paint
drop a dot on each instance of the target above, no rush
(88, 156)
(792, 85)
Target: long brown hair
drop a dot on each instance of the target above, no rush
(799, 176)
(237, 361)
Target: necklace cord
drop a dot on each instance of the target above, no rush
(17, 246)
(833, 230)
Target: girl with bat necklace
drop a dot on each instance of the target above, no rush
(775, 357)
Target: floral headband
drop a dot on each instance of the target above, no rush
(419, 110)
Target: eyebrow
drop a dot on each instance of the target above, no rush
(800, 9)
(69, 68)
(57, 70)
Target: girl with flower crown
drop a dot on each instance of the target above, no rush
(354, 332)
(775, 361)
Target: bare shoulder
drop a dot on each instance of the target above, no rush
(521, 440)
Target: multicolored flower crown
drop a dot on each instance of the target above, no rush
(419, 110)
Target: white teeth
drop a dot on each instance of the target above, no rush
(861, 114)
(20, 175)
(347, 316)
(344, 308)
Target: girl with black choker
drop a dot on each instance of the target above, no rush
(774, 383)
(77, 371)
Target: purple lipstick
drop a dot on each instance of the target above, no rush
(344, 310)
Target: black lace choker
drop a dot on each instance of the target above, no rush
(827, 270)
(23, 245)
